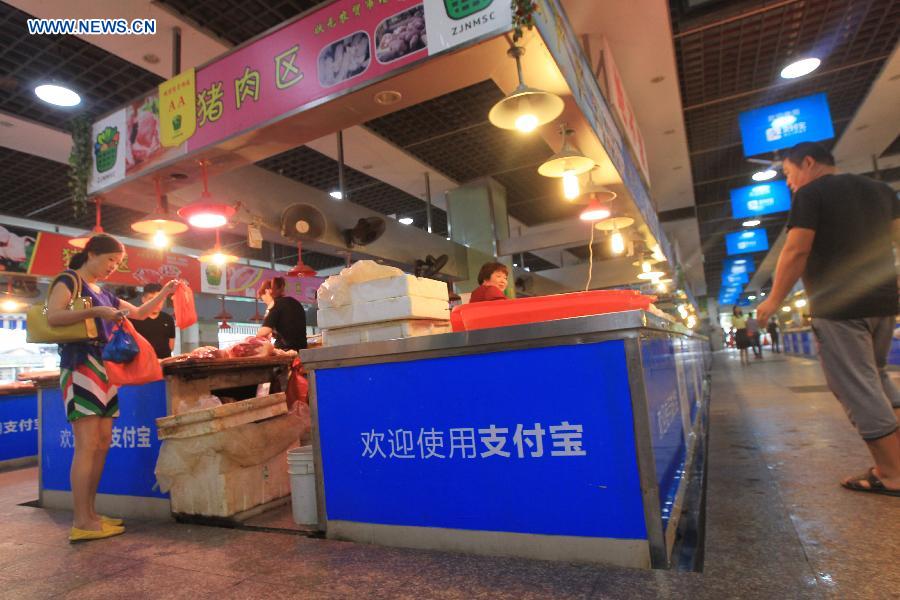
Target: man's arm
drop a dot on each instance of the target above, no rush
(791, 264)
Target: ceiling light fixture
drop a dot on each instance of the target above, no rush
(751, 297)
(785, 309)
(764, 175)
(801, 67)
(336, 194)
(800, 303)
(216, 256)
(406, 220)
(159, 224)
(300, 269)
(594, 211)
(617, 243)
(57, 95)
(388, 97)
(526, 108)
(568, 163)
(82, 240)
(206, 212)
(751, 223)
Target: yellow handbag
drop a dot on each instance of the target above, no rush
(39, 330)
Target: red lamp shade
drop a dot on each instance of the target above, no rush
(594, 211)
(82, 240)
(300, 269)
(206, 212)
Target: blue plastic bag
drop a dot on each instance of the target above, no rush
(121, 347)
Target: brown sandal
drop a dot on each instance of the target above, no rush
(875, 484)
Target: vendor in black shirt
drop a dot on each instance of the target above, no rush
(158, 327)
(285, 320)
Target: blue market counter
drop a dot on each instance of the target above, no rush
(799, 342)
(128, 487)
(565, 440)
(18, 425)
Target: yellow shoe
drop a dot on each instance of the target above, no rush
(84, 535)
(112, 521)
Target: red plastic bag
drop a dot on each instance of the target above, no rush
(185, 311)
(143, 368)
(297, 385)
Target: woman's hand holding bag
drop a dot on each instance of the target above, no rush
(144, 367)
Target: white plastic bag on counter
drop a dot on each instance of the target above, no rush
(336, 289)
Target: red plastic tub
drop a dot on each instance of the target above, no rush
(502, 313)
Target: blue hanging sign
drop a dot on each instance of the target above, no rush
(760, 199)
(729, 278)
(784, 124)
(749, 240)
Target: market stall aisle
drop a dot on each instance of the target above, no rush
(777, 526)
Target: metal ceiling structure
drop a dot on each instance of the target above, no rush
(729, 57)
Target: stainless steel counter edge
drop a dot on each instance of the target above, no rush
(476, 341)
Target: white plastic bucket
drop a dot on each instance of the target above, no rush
(303, 485)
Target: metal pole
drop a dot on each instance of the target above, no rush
(428, 200)
(340, 144)
(176, 51)
(877, 173)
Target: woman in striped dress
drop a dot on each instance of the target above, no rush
(91, 402)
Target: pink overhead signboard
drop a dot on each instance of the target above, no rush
(337, 47)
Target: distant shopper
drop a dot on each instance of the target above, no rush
(741, 337)
(492, 279)
(772, 329)
(753, 334)
(285, 320)
(840, 235)
(158, 327)
(91, 402)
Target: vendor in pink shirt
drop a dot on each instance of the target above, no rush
(492, 278)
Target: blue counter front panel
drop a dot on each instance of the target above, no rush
(18, 426)
(536, 441)
(667, 433)
(894, 356)
(135, 447)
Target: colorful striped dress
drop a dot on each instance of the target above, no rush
(86, 390)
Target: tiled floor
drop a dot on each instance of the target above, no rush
(778, 526)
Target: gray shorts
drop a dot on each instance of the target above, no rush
(854, 356)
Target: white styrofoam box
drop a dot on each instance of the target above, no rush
(395, 287)
(380, 332)
(389, 309)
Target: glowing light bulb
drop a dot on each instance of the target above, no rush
(527, 123)
(571, 189)
(785, 309)
(218, 259)
(764, 175)
(207, 220)
(618, 243)
(800, 68)
(661, 287)
(160, 239)
(800, 303)
(9, 306)
(645, 266)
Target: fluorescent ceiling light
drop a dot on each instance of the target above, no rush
(336, 194)
(764, 175)
(751, 223)
(800, 68)
(406, 220)
(57, 95)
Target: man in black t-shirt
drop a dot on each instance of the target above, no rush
(841, 233)
(158, 327)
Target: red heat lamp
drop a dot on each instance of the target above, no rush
(206, 212)
(82, 240)
(300, 269)
(594, 211)
(223, 316)
(216, 256)
(159, 224)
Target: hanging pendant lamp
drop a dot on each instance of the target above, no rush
(568, 164)
(300, 269)
(525, 108)
(159, 224)
(9, 303)
(595, 211)
(257, 316)
(216, 256)
(82, 240)
(206, 212)
(223, 316)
